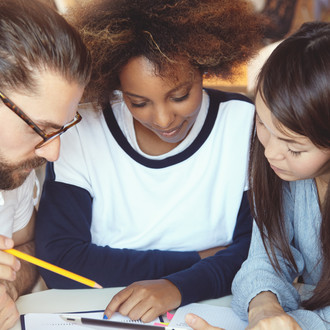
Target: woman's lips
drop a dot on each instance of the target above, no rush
(171, 132)
(276, 169)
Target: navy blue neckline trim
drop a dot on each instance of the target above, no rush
(216, 97)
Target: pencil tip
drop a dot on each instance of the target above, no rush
(97, 286)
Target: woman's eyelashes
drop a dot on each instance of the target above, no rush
(138, 105)
(294, 153)
(181, 98)
(144, 103)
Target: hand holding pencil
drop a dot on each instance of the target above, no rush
(8, 291)
(8, 265)
(53, 268)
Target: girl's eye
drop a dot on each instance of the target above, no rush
(294, 153)
(180, 99)
(138, 105)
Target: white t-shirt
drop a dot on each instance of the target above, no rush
(16, 206)
(144, 202)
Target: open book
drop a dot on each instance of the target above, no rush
(222, 317)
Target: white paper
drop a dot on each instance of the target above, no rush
(222, 317)
(45, 321)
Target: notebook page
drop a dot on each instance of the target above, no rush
(50, 321)
(45, 321)
(222, 317)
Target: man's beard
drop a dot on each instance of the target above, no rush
(13, 176)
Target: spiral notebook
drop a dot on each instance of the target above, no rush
(222, 317)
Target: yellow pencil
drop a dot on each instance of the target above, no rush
(53, 268)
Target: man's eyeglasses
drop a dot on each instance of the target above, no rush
(46, 138)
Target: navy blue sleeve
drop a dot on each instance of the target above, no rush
(212, 277)
(63, 238)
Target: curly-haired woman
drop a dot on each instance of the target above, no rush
(154, 192)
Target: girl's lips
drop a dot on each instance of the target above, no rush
(171, 132)
(276, 169)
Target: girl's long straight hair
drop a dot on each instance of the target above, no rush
(295, 85)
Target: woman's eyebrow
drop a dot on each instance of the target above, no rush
(169, 92)
(184, 84)
(134, 95)
(290, 140)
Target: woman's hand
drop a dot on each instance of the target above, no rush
(197, 323)
(275, 322)
(145, 300)
(265, 313)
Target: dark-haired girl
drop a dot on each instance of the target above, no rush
(289, 180)
(289, 177)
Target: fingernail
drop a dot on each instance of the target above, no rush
(8, 243)
(17, 265)
(105, 317)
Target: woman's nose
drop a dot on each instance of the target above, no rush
(273, 149)
(163, 117)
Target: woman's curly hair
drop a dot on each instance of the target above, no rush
(213, 36)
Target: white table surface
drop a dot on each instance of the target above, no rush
(62, 301)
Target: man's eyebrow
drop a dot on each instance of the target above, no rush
(45, 123)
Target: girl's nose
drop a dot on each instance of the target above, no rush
(163, 118)
(273, 149)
